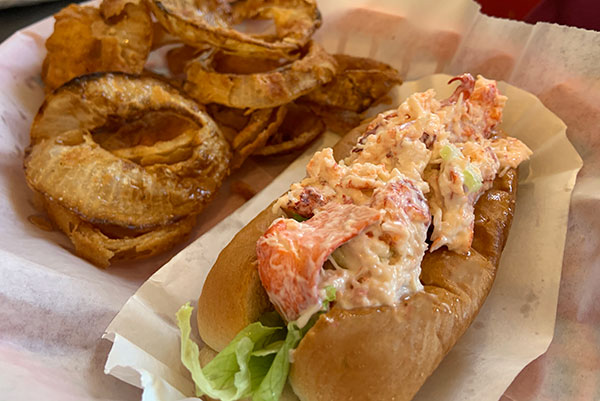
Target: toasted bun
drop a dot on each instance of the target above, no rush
(233, 296)
(383, 353)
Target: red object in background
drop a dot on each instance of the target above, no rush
(578, 13)
(513, 9)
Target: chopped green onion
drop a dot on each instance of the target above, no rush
(472, 177)
(449, 152)
(330, 293)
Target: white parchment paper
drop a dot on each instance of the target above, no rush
(55, 306)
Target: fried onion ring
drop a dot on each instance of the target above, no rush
(299, 128)
(248, 133)
(256, 134)
(199, 22)
(178, 57)
(230, 120)
(359, 83)
(102, 246)
(157, 137)
(84, 42)
(67, 165)
(113, 8)
(236, 86)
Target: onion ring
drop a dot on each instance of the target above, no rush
(95, 245)
(178, 57)
(84, 42)
(299, 128)
(230, 120)
(159, 137)
(257, 90)
(256, 134)
(112, 8)
(118, 191)
(196, 23)
(359, 83)
(251, 133)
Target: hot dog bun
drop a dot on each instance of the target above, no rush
(379, 353)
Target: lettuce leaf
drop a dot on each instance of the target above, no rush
(254, 364)
(272, 385)
(272, 348)
(235, 372)
(259, 368)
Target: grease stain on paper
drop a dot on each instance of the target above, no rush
(531, 302)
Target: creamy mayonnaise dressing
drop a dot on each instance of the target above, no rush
(449, 150)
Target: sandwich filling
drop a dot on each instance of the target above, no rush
(359, 227)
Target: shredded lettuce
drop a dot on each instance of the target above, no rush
(255, 364)
(472, 178)
(449, 152)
